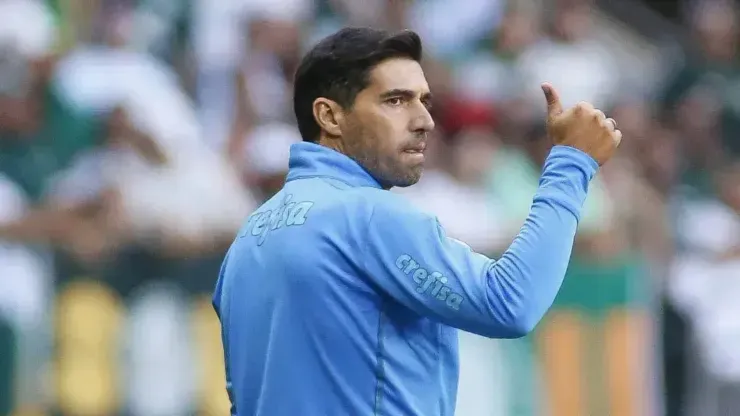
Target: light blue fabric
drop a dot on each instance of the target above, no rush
(339, 298)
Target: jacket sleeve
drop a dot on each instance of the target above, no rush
(408, 257)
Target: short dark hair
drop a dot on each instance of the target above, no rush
(338, 68)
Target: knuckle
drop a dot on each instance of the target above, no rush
(584, 110)
(617, 136)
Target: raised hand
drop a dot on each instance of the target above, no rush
(582, 126)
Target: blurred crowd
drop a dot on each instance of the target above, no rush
(136, 136)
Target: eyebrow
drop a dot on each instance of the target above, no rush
(399, 92)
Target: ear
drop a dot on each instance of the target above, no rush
(328, 115)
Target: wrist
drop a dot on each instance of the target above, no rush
(563, 156)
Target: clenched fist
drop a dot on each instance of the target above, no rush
(582, 127)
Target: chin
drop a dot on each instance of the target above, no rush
(408, 180)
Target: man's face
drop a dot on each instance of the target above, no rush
(386, 130)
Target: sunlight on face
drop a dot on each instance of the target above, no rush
(388, 125)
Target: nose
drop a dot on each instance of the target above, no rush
(422, 122)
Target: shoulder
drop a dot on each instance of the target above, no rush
(389, 209)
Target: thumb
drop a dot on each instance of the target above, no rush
(554, 107)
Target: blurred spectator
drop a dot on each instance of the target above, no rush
(154, 150)
(707, 82)
(266, 152)
(698, 102)
(571, 58)
(256, 40)
(24, 298)
(495, 68)
(27, 39)
(703, 289)
(451, 29)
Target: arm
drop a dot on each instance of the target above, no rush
(47, 224)
(88, 229)
(243, 118)
(411, 260)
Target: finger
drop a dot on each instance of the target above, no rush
(599, 115)
(554, 107)
(583, 108)
(617, 137)
(608, 124)
(612, 124)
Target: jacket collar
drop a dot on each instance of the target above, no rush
(314, 160)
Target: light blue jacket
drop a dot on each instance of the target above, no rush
(339, 298)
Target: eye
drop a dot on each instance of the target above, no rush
(395, 101)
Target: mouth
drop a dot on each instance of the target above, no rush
(416, 149)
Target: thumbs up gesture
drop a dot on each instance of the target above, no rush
(582, 127)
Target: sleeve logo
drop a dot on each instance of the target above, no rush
(432, 284)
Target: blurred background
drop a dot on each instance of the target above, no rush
(136, 135)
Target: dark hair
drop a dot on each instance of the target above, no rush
(338, 68)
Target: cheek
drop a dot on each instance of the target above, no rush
(395, 129)
(380, 130)
(381, 122)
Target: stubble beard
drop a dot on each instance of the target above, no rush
(392, 173)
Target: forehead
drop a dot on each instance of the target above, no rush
(398, 73)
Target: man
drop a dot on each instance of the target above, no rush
(337, 297)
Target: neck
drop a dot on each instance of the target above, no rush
(337, 144)
(333, 143)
